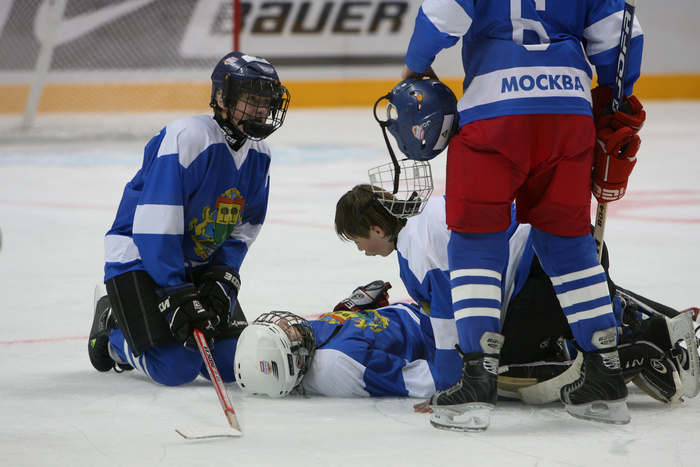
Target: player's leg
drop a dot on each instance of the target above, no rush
(480, 189)
(223, 351)
(168, 364)
(476, 264)
(103, 323)
(581, 286)
(556, 201)
(139, 335)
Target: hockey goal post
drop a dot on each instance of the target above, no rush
(78, 69)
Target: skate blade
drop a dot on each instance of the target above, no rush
(472, 417)
(680, 328)
(614, 412)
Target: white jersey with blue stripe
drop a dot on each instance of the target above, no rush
(526, 56)
(424, 269)
(193, 202)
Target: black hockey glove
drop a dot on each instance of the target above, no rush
(184, 312)
(369, 297)
(218, 290)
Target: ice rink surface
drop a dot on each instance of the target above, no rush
(57, 199)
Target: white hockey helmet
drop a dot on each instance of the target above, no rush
(273, 354)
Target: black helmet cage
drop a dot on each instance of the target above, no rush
(303, 346)
(254, 95)
(254, 83)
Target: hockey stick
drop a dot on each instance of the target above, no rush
(618, 89)
(205, 432)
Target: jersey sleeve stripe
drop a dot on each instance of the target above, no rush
(159, 219)
(448, 17)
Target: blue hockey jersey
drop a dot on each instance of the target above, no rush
(385, 352)
(193, 202)
(526, 56)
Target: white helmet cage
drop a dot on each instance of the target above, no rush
(410, 190)
(273, 354)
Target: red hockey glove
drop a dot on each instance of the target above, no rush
(369, 297)
(616, 130)
(617, 143)
(612, 172)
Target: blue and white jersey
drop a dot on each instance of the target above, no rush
(193, 202)
(373, 353)
(424, 269)
(526, 56)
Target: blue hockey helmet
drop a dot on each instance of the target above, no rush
(237, 77)
(422, 116)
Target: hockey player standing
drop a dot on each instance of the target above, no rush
(183, 228)
(527, 134)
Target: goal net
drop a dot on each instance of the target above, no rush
(74, 69)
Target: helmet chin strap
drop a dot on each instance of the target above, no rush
(384, 125)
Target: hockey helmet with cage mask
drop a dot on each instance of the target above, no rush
(249, 88)
(273, 354)
(422, 116)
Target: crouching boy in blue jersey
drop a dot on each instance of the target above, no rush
(183, 228)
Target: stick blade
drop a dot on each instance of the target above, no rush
(208, 432)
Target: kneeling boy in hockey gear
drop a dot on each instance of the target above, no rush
(533, 324)
(183, 228)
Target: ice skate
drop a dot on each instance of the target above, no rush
(473, 397)
(101, 355)
(651, 369)
(661, 381)
(600, 392)
(674, 335)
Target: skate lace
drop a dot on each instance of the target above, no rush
(611, 362)
(491, 365)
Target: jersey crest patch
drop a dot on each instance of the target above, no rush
(216, 225)
(369, 319)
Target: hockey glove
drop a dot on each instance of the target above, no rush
(218, 288)
(369, 297)
(184, 313)
(617, 143)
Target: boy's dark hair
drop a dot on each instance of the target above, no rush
(359, 209)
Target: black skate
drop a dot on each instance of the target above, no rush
(600, 392)
(672, 333)
(474, 396)
(98, 344)
(652, 370)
